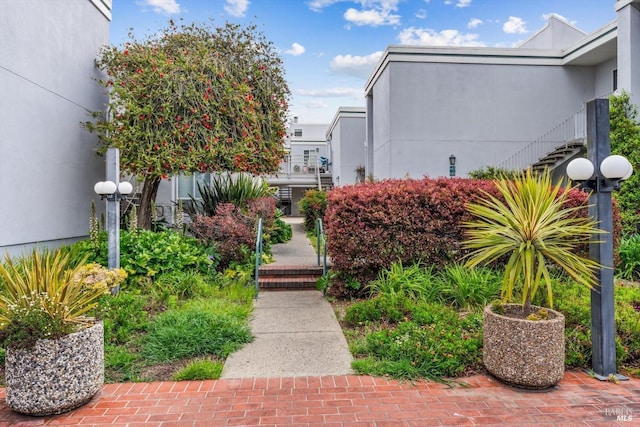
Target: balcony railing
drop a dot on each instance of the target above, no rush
(304, 165)
(572, 129)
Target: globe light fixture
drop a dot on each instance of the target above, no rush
(111, 191)
(613, 169)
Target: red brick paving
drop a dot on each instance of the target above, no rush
(349, 401)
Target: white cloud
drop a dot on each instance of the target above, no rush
(429, 37)
(336, 92)
(463, 3)
(546, 16)
(296, 49)
(237, 8)
(421, 14)
(353, 65)
(167, 7)
(316, 104)
(474, 23)
(371, 17)
(515, 25)
(318, 5)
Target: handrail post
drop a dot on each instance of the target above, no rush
(318, 234)
(258, 257)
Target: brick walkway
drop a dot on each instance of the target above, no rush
(350, 401)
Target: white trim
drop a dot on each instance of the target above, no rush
(621, 4)
(104, 6)
(345, 112)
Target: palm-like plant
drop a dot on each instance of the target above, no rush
(533, 229)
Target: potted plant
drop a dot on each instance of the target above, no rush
(54, 350)
(531, 230)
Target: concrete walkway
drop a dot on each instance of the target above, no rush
(296, 332)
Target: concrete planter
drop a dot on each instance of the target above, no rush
(56, 376)
(521, 352)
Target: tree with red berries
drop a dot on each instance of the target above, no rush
(193, 99)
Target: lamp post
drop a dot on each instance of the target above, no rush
(601, 181)
(113, 191)
(452, 165)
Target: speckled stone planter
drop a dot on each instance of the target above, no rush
(56, 375)
(524, 353)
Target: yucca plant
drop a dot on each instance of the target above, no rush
(235, 188)
(532, 229)
(46, 296)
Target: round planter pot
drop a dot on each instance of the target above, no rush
(56, 376)
(521, 352)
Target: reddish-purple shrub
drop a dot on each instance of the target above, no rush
(369, 226)
(265, 208)
(228, 230)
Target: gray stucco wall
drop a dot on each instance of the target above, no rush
(629, 48)
(348, 149)
(480, 113)
(48, 164)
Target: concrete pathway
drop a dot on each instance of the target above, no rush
(296, 332)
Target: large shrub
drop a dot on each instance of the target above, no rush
(371, 225)
(229, 230)
(312, 206)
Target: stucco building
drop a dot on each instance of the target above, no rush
(494, 106)
(48, 163)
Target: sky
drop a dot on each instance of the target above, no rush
(331, 47)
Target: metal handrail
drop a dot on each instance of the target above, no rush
(321, 242)
(571, 129)
(258, 253)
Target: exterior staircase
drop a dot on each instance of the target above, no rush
(326, 181)
(560, 155)
(274, 277)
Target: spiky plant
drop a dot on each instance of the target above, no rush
(533, 229)
(44, 296)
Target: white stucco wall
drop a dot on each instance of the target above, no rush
(48, 164)
(481, 113)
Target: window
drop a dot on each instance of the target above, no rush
(188, 184)
(297, 132)
(615, 80)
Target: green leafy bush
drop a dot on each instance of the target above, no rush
(313, 206)
(200, 370)
(492, 172)
(625, 140)
(629, 252)
(281, 231)
(145, 254)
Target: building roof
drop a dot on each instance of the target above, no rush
(591, 49)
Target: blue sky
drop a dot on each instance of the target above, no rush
(330, 47)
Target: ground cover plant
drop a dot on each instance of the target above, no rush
(412, 327)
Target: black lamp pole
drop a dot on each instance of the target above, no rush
(603, 327)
